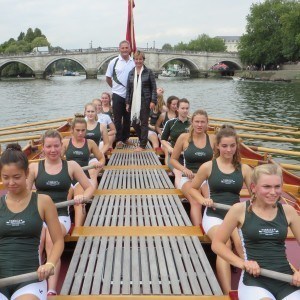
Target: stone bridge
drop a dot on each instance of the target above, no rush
(92, 60)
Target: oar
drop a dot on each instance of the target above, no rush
(36, 123)
(70, 202)
(269, 138)
(253, 123)
(249, 128)
(26, 138)
(20, 278)
(11, 132)
(272, 150)
(264, 272)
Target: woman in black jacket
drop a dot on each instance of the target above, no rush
(141, 96)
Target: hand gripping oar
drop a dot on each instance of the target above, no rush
(20, 278)
(70, 202)
(264, 272)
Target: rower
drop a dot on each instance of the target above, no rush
(22, 213)
(53, 177)
(172, 130)
(225, 175)
(79, 149)
(263, 225)
(197, 148)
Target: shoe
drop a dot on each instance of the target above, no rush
(119, 145)
(51, 294)
(129, 143)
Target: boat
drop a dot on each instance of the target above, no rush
(70, 73)
(33, 152)
(237, 78)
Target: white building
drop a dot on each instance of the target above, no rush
(231, 42)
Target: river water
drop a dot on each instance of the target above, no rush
(25, 101)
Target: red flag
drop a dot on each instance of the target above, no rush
(130, 26)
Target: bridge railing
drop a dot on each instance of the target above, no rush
(113, 49)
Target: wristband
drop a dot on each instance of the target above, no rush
(51, 264)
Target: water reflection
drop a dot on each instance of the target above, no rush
(33, 100)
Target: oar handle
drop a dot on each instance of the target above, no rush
(70, 202)
(222, 206)
(276, 275)
(89, 167)
(20, 278)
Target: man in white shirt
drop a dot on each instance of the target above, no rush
(116, 77)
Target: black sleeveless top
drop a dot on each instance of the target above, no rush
(55, 186)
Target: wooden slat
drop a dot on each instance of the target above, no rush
(139, 192)
(137, 231)
(139, 297)
(137, 167)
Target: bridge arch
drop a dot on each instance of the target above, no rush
(65, 57)
(106, 60)
(189, 63)
(6, 63)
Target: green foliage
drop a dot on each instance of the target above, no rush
(272, 33)
(167, 47)
(25, 42)
(202, 43)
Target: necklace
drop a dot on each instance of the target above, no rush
(17, 200)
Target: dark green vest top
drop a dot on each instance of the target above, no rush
(55, 186)
(94, 134)
(224, 188)
(20, 235)
(194, 157)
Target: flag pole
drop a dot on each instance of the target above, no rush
(131, 25)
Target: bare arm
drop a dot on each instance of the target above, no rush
(247, 172)
(112, 129)
(223, 233)
(178, 148)
(76, 172)
(97, 153)
(202, 175)
(109, 81)
(105, 138)
(33, 168)
(48, 213)
(158, 123)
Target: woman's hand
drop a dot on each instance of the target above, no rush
(79, 199)
(296, 278)
(127, 107)
(252, 267)
(152, 105)
(208, 202)
(188, 173)
(45, 271)
(97, 165)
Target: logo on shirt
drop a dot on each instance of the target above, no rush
(228, 181)
(268, 231)
(76, 152)
(15, 223)
(52, 183)
(200, 153)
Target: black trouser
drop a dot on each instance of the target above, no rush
(142, 128)
(121, 118)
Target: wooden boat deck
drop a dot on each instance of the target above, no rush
(129, 244)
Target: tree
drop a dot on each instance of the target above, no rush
(29, 37)
(39, 42)
(167, 47)
(271, 33)
(21, 36)
(202, 43)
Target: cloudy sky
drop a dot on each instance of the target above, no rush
(73, 24)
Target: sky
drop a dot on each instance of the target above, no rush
(76, 24)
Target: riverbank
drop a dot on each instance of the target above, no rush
(281, 75)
